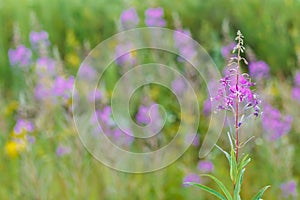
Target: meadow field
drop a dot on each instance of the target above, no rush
(161, 64)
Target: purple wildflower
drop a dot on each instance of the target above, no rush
(296, 93)
(259, 70)
(105, 115)
(191, 178)
(182, 37)
(23, 125)
(207, 107)
(62, 150)
(101, 121)
(63, 86)
(178, 86)
(122, 138)
(296, 89)
(192, 137)
(185, 44)
(205, 166)
(144, 113)
(30, 139)
(94, 117)
(87, 72)
(289, 189)
(42, 91)
(124, 57)
(150, 116)
(37, 38)
(230, 91)
(226, 50)
(94, 96)
(20, 56)
(129, 19)
(274, 123)
(154, 17)
(297, 79)
(44, 66)
(142, 117)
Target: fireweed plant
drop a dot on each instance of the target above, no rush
(235, 95)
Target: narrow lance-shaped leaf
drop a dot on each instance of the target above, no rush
(259, 195)
(226, 154)
(207, 189)
(237, 189)
(221, 186)
(233, 166)
(244, 162)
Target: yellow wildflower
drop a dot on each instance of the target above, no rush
(13, 148)
(73, 60)
(12, 106)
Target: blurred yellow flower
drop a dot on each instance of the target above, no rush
(11, 107)
(274, 90)
(69, 102)
(154, 93)
(13, 148)
(71, 39)
(133, 54)
(73, 60)
(22, 134)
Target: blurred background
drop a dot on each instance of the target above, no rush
(42, 44)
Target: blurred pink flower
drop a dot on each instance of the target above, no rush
(21, 56)
(63, 86)
(226, 50)
(259, 70)
(185, 45)
(191, 178)
(129, 19)
(124, 54)
(274, 123)
(37, 38)
(178, 86)
(289, 189)
(23, 125)
(205, 166)
(45, 66)
(62, 150)
(297, 79)
(154, 17)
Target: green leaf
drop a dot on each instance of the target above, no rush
(226, 154)
(244, 162)
(207, 189)
(259, 195)
(233, 166)
(221, 186)
(238, 185)
(230, 140)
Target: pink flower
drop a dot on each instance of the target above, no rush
(23, 125)
(129, 19)
(205, 166)
(21, 56)
(195, 178)
(154, 17)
